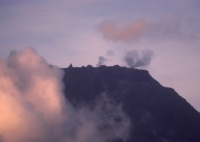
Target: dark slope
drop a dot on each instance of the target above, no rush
(157, 114)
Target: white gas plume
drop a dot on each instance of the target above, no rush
(33, 107)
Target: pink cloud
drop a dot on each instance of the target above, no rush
(33, 107)
(167, 28)
(125, 33)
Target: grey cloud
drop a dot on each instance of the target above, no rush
(133, 59)
(114, 123)
(107, 122)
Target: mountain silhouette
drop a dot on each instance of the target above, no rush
(157, 113)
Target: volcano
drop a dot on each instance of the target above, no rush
(157, 113)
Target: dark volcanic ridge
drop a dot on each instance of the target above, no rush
(157, 113)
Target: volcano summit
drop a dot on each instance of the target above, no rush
(157, 113)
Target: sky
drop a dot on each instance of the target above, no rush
(161, 36)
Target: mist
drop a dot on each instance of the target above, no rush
(134, 59)
(33, 107)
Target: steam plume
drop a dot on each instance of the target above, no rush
(101, 61)
(105, 58)
(33, 107)
(133, 59)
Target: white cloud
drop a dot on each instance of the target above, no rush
(33, 107)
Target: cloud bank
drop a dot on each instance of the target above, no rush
(33, 107)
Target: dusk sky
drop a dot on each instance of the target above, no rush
(163, 33)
